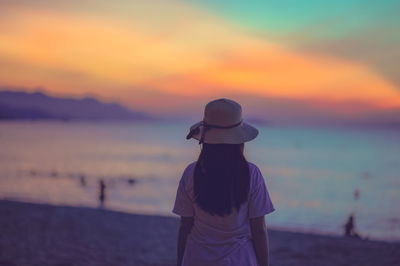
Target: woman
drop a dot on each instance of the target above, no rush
(222, 198)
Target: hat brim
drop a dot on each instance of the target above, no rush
(237, 135)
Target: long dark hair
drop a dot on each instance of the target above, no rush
(221, 178)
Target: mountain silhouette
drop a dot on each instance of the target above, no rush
(38, 105)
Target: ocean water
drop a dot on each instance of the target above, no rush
(311, 173)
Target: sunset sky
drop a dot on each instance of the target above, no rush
(289, 59)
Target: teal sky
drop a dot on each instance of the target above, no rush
(288, 16)
(364, 31)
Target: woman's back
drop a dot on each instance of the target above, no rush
(215, 238)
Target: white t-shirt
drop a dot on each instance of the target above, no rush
(216, 240)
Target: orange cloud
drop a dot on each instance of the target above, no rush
(182, 51)
(275, 72)
(102, 49)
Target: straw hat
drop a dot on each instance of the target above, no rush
(222, 124)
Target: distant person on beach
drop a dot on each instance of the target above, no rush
(102, 194)
(222, 199)
(82, 179)
(350, 228)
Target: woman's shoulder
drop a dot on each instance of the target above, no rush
(187, 176)
(256, 178)
(254, 170)
(190, 167)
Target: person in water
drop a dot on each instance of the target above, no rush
(102, 192)
(222, 199)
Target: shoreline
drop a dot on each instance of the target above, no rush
(302, 230)
(43, 234)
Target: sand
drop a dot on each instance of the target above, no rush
(39, 235)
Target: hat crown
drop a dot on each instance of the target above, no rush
(222, 112)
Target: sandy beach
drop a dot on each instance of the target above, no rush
(38, 234)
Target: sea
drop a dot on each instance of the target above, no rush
(316, 177)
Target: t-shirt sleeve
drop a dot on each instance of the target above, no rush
(183, 204)
(260, 202)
